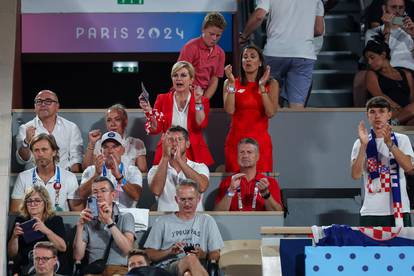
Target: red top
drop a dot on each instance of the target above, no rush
(249, 120)
(198, 150)
(247, 193)
(207, 62)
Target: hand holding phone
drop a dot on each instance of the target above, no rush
(93, 206)
(398, 20)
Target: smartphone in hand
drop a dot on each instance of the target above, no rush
(93, 206)
(29, 234)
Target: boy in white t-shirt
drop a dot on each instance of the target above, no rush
(381, 157)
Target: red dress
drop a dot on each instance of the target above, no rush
(249, 120)
(198, 150)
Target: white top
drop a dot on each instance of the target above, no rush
(380, 204)
(68, 190)
(179, 118)
(290, 27)
(67, 135)
(134, 147)
(132, 175)
(166, 201)
(318, 41)
(401, 45)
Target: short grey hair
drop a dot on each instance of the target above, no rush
(188, 183)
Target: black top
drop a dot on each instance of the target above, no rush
(54, 223)
(397, 90)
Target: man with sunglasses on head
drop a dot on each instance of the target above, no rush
(66, 133)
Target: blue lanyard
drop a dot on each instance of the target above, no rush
(57, 186)
(121, 169)
(57, 173)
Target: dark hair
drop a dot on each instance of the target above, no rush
(46, 245)
(104, 179)
(188, 183)
(139, 252)
(52, 142)
(250, 141)
(180, 129)
(378, 102)
(378, 45)
(260, 72)
(214, 19)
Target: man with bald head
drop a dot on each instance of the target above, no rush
(66, 133)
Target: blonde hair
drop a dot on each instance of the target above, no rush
(214, 19)
(183, 64)
(44, 194)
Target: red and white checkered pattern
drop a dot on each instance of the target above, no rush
(380, 233)
(372, 164)
(159, 117)
(385, 182)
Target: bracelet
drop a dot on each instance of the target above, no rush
(266, 196)
(230, 193)
(199, 107)
(231, 89)
(25, 144)
(119, 178)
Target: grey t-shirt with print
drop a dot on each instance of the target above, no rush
(200, 231)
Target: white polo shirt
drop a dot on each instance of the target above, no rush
(166, 201)
(67, 135)
(68, 190)
(132, 175)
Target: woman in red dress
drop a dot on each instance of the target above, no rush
(181, 106)
(251, 100)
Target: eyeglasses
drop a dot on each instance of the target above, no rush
(46, 101)
(397, 7)
(34, 201)
(103, 191)
(43, 259)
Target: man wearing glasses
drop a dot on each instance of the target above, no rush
(66, 133)
(100, 226)
(45, 259)
(182, 241)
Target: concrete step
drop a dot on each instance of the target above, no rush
(339, 60)
(333, 79)
(330, 98)
(339, 23)
(346, 41)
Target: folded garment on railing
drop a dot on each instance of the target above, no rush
(344, 235)
(141, 217)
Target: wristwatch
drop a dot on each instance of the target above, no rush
(109, 226)
(230, 193)
(231, 89)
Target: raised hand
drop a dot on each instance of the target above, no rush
(94, 135)
(166, 145)
(363, 133)
(145, 105)
(115, 160)
(266, 75)
(386, 133)
(30, 133)
(85, 216)
(99, 160)
(263, 185)
(228, 70)
(235, 181)
(198, 93)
